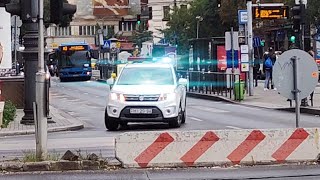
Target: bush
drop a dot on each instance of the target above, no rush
(9, 113)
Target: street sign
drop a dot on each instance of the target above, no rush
(302, 1)
(118, 45)
(256, 42)
(244, 67)
(272, 12)
(106, 44)
(283, 74)
(244, 49)
(232, 63)
(242, 16)
(244, 58)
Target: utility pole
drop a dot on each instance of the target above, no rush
(250, 45)
(28, 12)
(41, 121)
(15, 43)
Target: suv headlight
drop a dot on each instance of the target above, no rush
(117, 97)
(167, 97)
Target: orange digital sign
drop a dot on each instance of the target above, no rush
(74, 48)
(272, 12)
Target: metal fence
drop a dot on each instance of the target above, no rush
(215, 83)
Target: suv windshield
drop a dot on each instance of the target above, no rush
(146, 76)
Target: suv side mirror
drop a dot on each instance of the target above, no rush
(183, 81)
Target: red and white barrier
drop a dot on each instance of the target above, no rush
(217, 147)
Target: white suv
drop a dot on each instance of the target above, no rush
(146, 93)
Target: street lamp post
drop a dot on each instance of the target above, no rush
(199, 19)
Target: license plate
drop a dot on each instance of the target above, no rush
(140, 111)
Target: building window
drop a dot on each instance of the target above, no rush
(88, 30)
(120, 25)
(80, 31)
(184, 7)
(166, 13)
(93, 30)
(69, 31)
(150, 12)
(129, 26)
(84, 30)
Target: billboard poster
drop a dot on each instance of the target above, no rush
(110, 7)
(222, 58)
(5, 40)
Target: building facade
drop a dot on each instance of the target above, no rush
(116, 16)
(160, 14)
(92, 15)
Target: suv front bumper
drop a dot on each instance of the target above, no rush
(161, 111)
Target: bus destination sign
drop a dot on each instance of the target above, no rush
(271, 12)
(74, 48)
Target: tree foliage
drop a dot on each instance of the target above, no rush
(141, 35)
(216, 20)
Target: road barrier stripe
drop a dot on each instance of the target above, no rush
(290, 145)
(154, 149)
(217, 147)
(200, 148)
(246, 146)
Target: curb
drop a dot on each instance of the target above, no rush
(303, 110)
(50, 130)
(76, 125)
(61, 165)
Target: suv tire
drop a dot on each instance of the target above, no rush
(110, 123)
(176, 122)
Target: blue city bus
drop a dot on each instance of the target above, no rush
(74, 61)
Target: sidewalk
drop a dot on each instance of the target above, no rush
(268, 99)
(62, 122)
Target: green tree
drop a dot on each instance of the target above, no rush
(141, 35)
(180, 29)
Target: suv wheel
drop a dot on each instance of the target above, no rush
(184, 116)
(110, 123)
(176, 122)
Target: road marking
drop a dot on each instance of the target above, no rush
(85, 93)
(233, 127)
(196, 119)
(209, 109)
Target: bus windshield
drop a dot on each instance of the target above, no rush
(74, 58)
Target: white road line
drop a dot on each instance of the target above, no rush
(86, 93)
(233, 127)
(196, 119)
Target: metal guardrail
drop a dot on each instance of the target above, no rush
(216, 83)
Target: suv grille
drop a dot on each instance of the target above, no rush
(141, 98)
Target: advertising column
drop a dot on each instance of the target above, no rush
(5, 40)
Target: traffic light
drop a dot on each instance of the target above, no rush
(22, 8)
(138, 19)
(218, 3)
(298, 17)
(59, 8)
(293, 39)
(262, 43)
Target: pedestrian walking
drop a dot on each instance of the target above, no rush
(256, 69)
(269, 60)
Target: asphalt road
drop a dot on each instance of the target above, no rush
(252, 173)
(86, 101)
